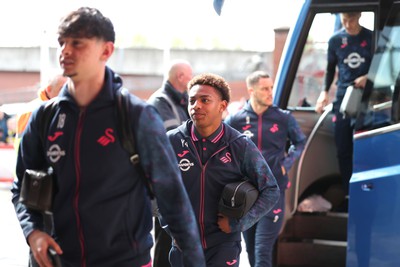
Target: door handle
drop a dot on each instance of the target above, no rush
(367, 186)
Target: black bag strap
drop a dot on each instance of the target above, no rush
(48, 113)
(127, 138)
(44, 123)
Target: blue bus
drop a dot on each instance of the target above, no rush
(368, 234)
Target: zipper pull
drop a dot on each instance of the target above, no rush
(234, 194)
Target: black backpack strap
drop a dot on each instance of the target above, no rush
(47, 114)
(127, 138)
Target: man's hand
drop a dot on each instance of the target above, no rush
(322, 101)
(360, 82)
(223, 223)
(39, 243)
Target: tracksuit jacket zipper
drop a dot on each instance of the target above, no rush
(202, 190)
(259, 141)
(78, 134)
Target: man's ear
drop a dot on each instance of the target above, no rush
(223, 105)
(250, 90)
(108, 50)
(180, 75)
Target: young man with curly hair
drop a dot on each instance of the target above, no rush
(210, 155)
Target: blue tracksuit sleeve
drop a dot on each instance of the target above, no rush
(297, 142)
(160, 164)
(256, 169)
(330, 67)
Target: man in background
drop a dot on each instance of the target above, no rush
(171, 101)
(3, 127)
(270, 128)
(350, 50)
(44, 94)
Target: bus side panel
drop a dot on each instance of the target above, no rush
(374, 207)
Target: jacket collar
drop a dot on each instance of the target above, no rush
(178, 97)
(213, 138)
(106, 96)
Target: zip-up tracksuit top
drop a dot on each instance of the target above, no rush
(352, 56)
(102, 213)
(236, 158)
(271, 131)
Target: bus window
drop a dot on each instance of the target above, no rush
(310, 74)
(384, 78)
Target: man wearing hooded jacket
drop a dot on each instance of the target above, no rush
(271, 129)
(101, 209)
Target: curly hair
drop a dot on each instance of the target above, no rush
(213, 80)
(87, 22)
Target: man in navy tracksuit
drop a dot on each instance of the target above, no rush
(210, 155)
(101, 209)
(350, 51)
(270, 128)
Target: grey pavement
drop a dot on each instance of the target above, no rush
(13, 248)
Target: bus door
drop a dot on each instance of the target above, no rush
(374, 204)
(299, 82)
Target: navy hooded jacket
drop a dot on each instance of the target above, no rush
(272, 132)
(235, 159)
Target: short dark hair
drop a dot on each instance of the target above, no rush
(254, 77)
(351, 14)
(213, 80)
(87, 22)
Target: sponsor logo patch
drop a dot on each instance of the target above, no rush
(55, 153)
(185, 164)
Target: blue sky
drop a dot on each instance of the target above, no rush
(247, 24)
